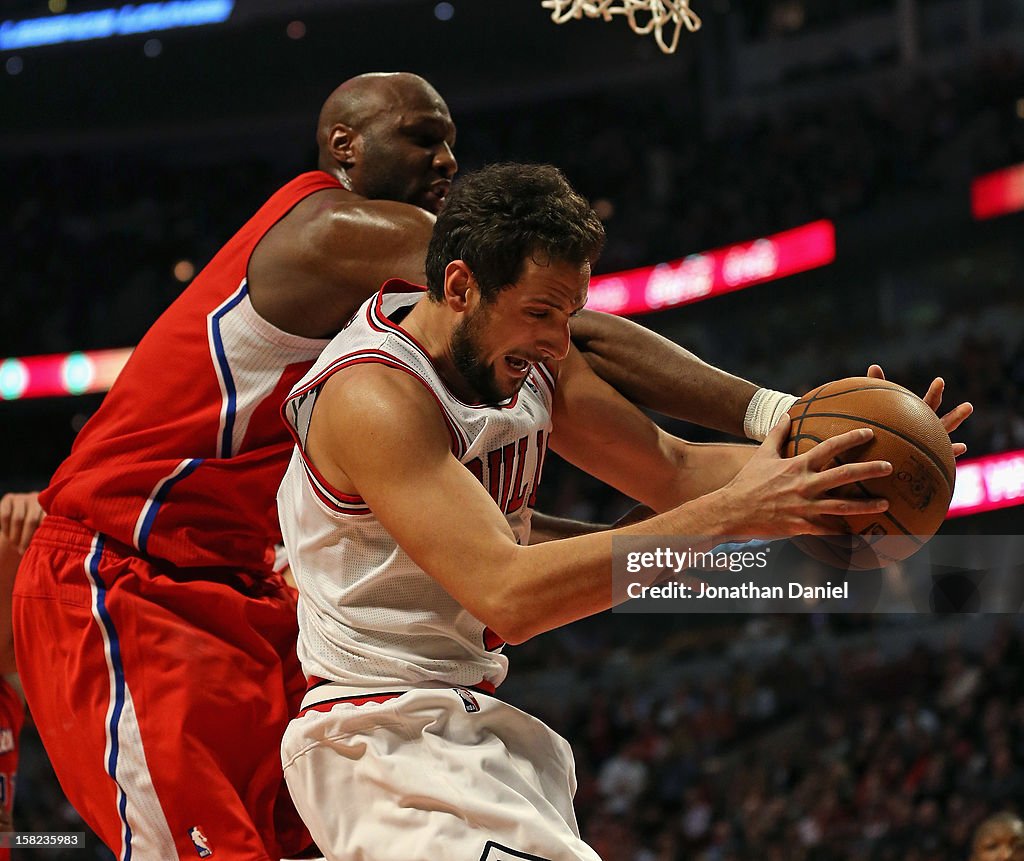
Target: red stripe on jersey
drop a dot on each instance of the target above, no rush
(508, 453)
(327, 499)
(483, 686)
(476, 466)
(379, 322)
(494, 475)
(369, 357)
(336, 500)
(547, 375)
(518, 488)
(541, 453)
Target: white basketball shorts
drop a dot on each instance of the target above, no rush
(430, 774)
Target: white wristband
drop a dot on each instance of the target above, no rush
(764, 411)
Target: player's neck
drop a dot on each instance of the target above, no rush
(431, 324)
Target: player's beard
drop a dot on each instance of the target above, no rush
(466, 353)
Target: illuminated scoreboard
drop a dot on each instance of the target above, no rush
(126, 20)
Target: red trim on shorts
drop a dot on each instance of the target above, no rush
(327, 705)
(492, 641)
(482, 687)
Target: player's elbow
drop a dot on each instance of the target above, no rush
(506, 601)
(516, 635)
(507, 624)
(511, 613)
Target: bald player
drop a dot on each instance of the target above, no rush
(1000, 837)
(170, 672)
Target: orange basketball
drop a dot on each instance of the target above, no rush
(911, 437)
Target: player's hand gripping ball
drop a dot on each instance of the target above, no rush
(909, 435)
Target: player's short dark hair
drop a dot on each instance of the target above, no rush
(498, 217)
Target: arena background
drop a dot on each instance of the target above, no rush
(127, 161)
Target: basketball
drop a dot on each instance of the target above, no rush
(909, 435)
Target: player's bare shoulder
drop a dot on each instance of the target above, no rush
(334, 249)
(376, 396)
(374, 216)
(368, 409)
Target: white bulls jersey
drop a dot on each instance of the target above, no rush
(368, 616)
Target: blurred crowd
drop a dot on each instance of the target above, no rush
(669, 186)
(769, 19)
(794, 738)
(854, 755)
(93, 238)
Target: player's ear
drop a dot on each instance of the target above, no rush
(341, 144)
(459, 284)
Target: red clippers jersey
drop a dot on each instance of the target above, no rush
(183, 458)
(12, 716)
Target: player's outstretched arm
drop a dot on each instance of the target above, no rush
(602, 433)
(598, 430)
(378, 433)
(656, 373)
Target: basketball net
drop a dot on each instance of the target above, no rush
(659, 17)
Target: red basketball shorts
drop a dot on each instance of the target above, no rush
(161, 700)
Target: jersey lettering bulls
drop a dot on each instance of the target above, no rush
(369, 617)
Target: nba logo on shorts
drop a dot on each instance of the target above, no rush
(468, 700)
(200, 842)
